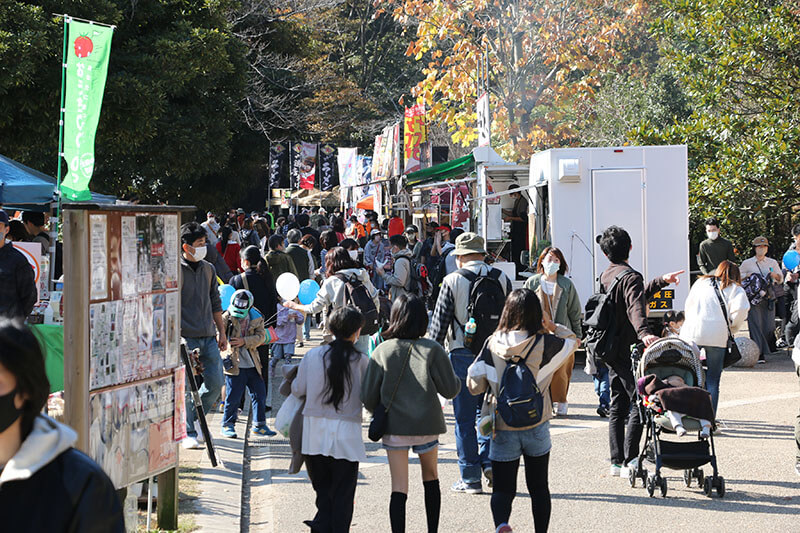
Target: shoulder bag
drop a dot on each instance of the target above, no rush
(732, 354)
(377, 426)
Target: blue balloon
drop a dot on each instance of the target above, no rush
(225, 294)
(308, 291)
(791, 259)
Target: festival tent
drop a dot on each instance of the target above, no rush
(24, 188)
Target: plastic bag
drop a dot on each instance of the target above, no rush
(287, 412)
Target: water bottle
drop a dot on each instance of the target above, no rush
(469, 331)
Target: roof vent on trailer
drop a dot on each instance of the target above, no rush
(569, 170)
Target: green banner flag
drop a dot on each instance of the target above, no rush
(87, 51)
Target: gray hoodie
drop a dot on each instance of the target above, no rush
(47, 440)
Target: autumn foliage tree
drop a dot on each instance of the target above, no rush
(546, 59)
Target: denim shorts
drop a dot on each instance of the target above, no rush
(511, 445)
(419, 449)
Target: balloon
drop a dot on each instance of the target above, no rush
(288, 286)
(791, 259)
(225, 294)
(308, 291)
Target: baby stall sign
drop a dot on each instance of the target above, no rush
(87, 49)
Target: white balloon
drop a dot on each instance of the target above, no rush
(288, 286)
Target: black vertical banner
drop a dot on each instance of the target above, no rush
(328, 168)
(278, 166)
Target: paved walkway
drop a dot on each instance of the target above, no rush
(755, 453)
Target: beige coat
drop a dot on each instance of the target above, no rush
(255, 336)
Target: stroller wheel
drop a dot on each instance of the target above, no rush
(698, 474)
(720, 486)
(651, 486)
(662, 482)
(707, 487)
(687, 477)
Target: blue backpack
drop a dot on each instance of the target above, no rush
(520, 402)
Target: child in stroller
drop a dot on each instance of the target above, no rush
(672, 401)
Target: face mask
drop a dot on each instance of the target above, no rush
(712, 235)
(8, 410)
(199, 253)
(551, 268)
(353, 254)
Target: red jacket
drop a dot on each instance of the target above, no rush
(231, 256)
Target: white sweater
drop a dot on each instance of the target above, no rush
(705, 323)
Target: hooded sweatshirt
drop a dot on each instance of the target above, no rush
(57, 487)
(546, 356)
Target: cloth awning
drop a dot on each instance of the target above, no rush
(367, 203)
(456, 167)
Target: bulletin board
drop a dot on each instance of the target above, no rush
(124, 383)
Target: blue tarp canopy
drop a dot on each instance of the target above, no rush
(24, 188)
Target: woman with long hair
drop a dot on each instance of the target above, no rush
(337, 225)
(229, 249)
(407, 373)
(331, 294)
(327, 240)
(561, 305)
(329, 378)
(522, 336)
(705, 323)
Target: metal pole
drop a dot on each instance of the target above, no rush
(149, 501)
(56, 217)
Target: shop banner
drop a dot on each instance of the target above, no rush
(328, 171)
(377, 154)
(365, 170)
(88, 50)
(304, 165)
(348, 167)
(396, 155)
(279, 166)
(414, 135)
(459, 217)
(387, 149)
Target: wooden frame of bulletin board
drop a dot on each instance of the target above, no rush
(123, 377)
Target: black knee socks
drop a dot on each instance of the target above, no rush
(397, 512)
(433, 504)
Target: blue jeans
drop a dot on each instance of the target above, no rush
(715, 358)
(281, 351)
(307, 327)
(212, 378)
(601, 386)
(473, 449)
(234, 390)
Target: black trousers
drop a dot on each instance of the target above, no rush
(623, 438)
(334, 481)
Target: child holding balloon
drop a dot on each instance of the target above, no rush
(283, 348)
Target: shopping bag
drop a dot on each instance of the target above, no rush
(287, 412)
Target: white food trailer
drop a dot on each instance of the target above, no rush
(578, 192)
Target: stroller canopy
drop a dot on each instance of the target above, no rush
(672, 351)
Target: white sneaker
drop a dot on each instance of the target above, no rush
(615, 471)
(561, 409)
(199, 429)
(190, 443)
(625, 471)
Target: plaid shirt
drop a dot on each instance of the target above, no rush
(450, 313)
(18, 292)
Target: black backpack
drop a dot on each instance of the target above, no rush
(519, 401)
(438, 273)
(418, 278)
(600, 322)
(487, 297)
(357, 295)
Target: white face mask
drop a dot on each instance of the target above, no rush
(199, 253)
(712, 235)
(550, 268)
(353, 254)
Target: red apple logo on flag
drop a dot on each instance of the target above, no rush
(83, 46)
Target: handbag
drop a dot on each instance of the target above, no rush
(380, 417)
(732, 354)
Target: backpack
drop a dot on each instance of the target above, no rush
(519, 401)
(487, 298)
(418, 280)
(600, 322)
(756, 288)
(357, 295)
(437, 274)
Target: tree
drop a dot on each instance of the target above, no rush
(546, 59)
(739, 62)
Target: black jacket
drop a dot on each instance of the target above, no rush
(18, 292)
(630, 304)
(69, 494)
(265, 296)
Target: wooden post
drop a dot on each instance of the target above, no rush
(76, 324)
(167, 508)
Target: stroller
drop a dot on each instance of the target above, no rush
(666, 357)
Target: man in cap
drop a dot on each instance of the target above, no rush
(761, 318)
(447, 328)
(212, 228)
(17, 286)
(413, 242)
